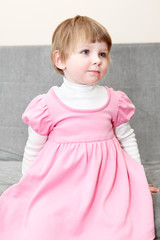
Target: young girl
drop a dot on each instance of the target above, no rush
(83, 179)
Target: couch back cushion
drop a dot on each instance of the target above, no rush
(27, 71)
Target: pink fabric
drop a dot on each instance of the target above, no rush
(82, 185)
(125, 109)
(37, 116)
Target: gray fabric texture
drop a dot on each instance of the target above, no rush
(27, 71)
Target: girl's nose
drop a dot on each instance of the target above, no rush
(96, 59)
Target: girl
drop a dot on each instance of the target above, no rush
(82, 173)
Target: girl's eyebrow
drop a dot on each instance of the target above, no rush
(84, 46)
(88, 46)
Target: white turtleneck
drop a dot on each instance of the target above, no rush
(80, 97)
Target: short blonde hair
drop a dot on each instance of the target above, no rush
(70, 31)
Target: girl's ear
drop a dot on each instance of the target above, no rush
(56, 57)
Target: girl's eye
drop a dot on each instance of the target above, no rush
(102, 54)
(85, 52)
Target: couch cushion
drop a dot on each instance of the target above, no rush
(10, 173)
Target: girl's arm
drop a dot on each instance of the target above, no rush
(126, 137)
(33, 146)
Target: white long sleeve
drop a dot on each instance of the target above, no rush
(33, 146)
(126, 137)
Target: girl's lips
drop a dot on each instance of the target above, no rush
(94, 71)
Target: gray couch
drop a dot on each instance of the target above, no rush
(27, 71)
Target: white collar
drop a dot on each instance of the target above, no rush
(73, 87)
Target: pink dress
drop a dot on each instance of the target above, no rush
(82, 186)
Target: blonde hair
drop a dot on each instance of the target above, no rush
(70, 31)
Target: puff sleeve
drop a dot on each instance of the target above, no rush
(38, 117)
(125, 109)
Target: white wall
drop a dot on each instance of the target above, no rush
(31, 22)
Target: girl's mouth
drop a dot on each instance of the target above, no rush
(94, 71)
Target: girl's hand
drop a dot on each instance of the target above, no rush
(153, 189)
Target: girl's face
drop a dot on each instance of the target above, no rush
(87, 64)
